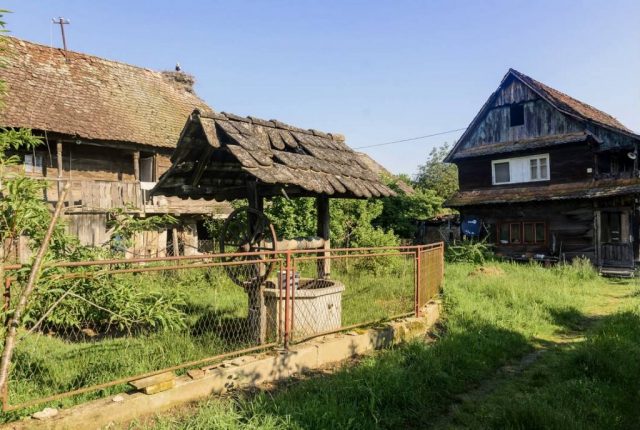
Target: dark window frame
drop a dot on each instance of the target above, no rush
(521, 230)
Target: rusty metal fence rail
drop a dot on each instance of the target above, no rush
(93, 326)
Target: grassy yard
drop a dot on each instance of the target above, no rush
(214, 321)
(484, 371)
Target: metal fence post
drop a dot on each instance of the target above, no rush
(417, 293)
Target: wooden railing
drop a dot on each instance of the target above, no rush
(91, 196)
(100, 195)
(617, 255)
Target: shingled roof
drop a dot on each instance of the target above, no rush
(562, 102)
(570, 105)
(525, 144)
(567, 191)
(219, 153)
(383, 173)
(92, 98)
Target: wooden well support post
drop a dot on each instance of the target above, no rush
(324, 263)
(257, 318)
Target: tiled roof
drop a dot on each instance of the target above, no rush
(573, 190)
(272, 152)
(92, 98)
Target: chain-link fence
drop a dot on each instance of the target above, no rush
(91, 327)
(358, 288)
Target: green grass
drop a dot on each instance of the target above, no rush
(215, 312)
(489, 322)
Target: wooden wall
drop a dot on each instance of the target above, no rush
(541, 119)
(571, 223)
(568, 163)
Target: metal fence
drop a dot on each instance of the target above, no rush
(93, 326)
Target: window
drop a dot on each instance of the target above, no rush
(514, 233)
(525, 232)
(501, 171)
(146, 169)
(516, 115)
(33, 163)
(521, 169)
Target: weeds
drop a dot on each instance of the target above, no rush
(489, 321)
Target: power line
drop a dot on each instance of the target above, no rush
(411, 138)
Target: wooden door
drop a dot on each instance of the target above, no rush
(616, 248)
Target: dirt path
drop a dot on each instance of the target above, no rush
(609, 304)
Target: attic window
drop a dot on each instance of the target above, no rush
(516, 115)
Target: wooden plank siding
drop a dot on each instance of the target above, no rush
(540, 119)
(566, 164)
(569, 227)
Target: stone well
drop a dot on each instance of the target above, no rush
(317, 307)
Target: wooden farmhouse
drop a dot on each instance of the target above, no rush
(550, 177)
(110, 129)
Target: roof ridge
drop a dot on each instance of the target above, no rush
(273, 123)
(555, 92)
(64, 52)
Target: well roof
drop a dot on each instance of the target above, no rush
(92, 98)
(219, 153)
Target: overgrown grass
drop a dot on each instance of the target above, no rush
(491, 319)
(49, 362)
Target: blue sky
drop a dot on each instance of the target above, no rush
(376, 71)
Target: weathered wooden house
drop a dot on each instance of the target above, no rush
(110, 129)
(550, 176)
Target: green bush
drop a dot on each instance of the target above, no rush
(105, 304)
(468, 252)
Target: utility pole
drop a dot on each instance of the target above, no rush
(62, 22)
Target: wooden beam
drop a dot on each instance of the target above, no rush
(59, 163)
(136, 165)
(174, 238)
(323, 222)
(204, 161)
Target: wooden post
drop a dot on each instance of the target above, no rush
(257, 309)
(174, 238)
(136, 165)
(324, 264)
(635, 161)
(59, 163)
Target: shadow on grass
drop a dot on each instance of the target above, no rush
(404, 387)
(591, 384)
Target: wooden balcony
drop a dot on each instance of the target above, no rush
(100, 196)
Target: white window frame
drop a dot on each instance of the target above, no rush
(520, 169)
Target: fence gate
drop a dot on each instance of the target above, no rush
(430, 270)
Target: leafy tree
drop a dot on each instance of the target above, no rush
(123, 226)
(292, 217)
(437, 175)
(400, 212)
(352, 224)
(23, 211)
(351, 221)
